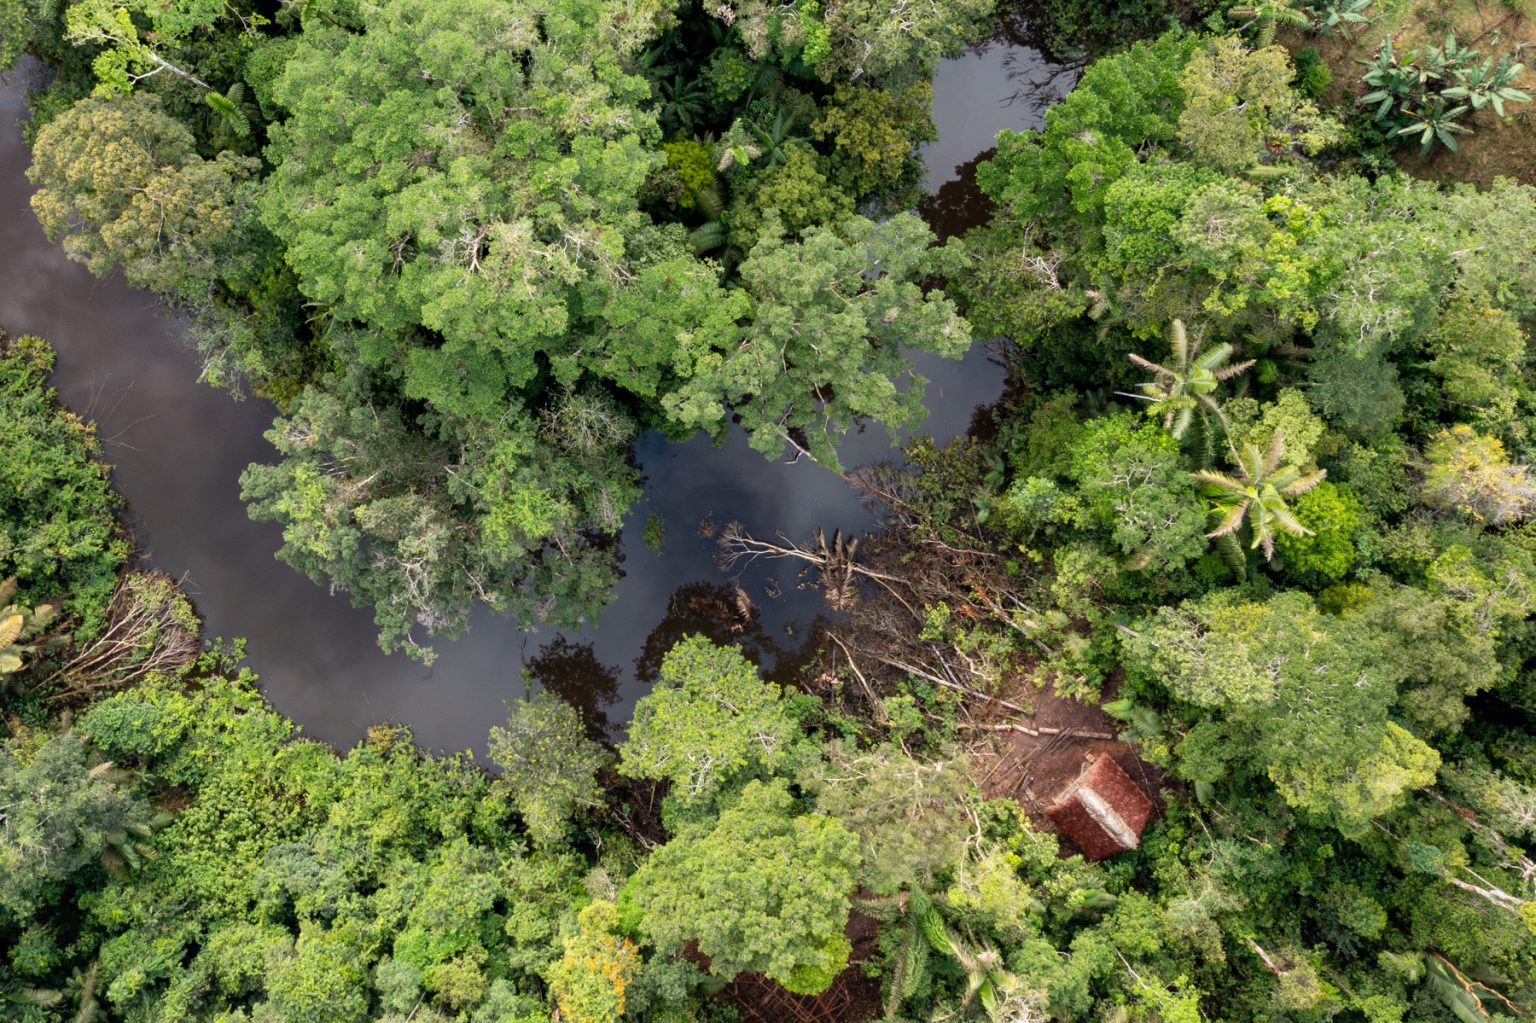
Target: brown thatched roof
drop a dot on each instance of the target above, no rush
(1103, 811)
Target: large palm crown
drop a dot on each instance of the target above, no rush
(1187, 385)
(1257, 494)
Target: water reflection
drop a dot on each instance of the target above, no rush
(726, 613)
(179, 446)
(1000, 84)
(572, 672)
(959, 204)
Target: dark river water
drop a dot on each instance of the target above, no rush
(178, 448)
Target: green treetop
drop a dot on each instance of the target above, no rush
(547, 762)
(709, 719)
(823, 346)
(763, 888)
(121, 186)
(471, 168)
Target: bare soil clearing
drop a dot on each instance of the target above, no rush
(1495, 147)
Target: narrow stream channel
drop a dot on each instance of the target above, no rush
(178, 448)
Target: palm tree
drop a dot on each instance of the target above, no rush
(1185, 387)
(1257, 495)
(683, 100)
(1268, 15)
(1001, 992)
(747, 142)
(78, 990)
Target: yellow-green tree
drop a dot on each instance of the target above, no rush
(1469, 474)
(548, 763)
(121, 185)
(588, 982)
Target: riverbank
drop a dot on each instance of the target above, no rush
(178, 447)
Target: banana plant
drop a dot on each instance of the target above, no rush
(1434, 120)
(1486, 84)
(1257, 495)
(1424, 94)
(1141, 721)
(1392, 82)
(22, 629)
(1330, 15)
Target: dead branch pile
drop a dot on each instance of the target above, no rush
(151, 629)
(886, 594)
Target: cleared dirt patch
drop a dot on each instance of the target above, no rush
(1033, 769)
(1496, 147)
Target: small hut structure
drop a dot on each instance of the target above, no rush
(1103, 811)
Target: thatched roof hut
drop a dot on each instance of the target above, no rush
(1103, 812)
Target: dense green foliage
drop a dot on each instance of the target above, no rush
(461, 243)
(1262, 492)
(59, 537)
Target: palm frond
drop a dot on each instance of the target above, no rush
(1212, 358)
(1258, 525)
(1251, 461)
(1232, 553)
(1267, 543)
(1179, 343)
(1220, 480)
(1276, 453)
(1157, 368)
(1304, 484)
(1287, 521)
(1232, 521)
(1181, 421)
(1235, 370)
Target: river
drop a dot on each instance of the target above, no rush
(178, 448)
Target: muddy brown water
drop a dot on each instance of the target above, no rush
(178, 448)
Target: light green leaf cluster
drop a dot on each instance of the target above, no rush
(762, 888)
(1309, 697)
(122, 186)
(548, 763)
(709, 720)
(59, 536)
(830, 314)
